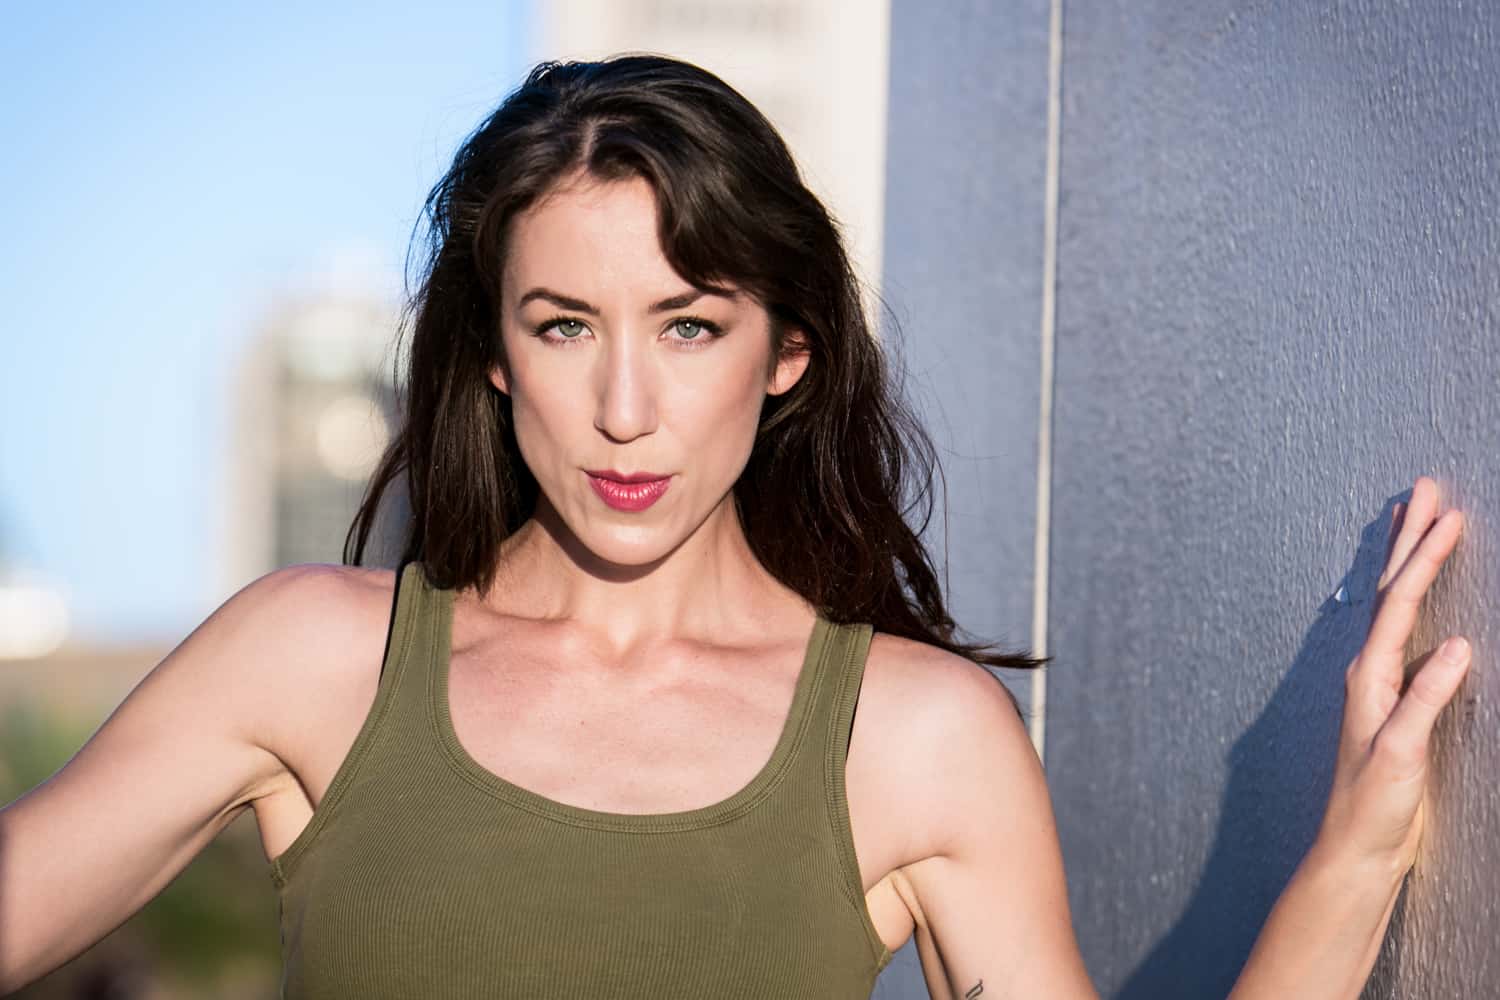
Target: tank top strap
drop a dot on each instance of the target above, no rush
(419, 635)
(836, 693)
(397, 706)
(846, 658)
(819, 784)
(822, 714)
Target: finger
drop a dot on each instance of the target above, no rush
(1395, 543)
(1403, 740)
(1417, 516)
(1397, 614)
(1394, 532)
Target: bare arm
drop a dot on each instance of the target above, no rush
(169, 769)
(991, 903)
(1325, 932)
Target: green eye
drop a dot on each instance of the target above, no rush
(561, 324)
(690, 330)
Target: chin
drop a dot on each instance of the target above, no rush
(631, 545)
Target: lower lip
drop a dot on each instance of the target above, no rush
(629, 496)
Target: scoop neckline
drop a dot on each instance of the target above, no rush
(793, 732)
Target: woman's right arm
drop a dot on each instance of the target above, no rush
(191, 747)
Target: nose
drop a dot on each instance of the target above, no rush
(626, 398)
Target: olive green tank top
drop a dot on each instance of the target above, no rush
(424, 875)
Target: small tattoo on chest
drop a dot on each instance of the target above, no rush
(974, 990)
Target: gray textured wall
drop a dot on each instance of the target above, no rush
(1278, 302)
(963, 277)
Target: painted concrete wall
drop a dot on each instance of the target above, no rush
(966, 153)
(963, 282)
(1278, 302)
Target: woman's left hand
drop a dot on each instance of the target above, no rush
(1376, 807)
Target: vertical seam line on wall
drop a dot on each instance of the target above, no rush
(1042, 557)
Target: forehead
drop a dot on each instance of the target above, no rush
(590, 234)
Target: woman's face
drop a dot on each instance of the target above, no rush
(618, 365)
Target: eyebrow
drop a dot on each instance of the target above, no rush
(665, 305)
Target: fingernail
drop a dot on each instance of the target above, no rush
(1455, 649)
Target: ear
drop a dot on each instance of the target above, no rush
(791, 364)
(500, 378)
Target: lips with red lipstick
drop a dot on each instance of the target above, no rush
(628, 491)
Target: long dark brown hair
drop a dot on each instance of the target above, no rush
(840, 469)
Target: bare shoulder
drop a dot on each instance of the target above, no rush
(949, 730)
(981, 878)
(319, 604)
(299, 640)
(940, 698)
(311, 613)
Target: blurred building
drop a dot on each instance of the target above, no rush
(43, 664)
(80, 683)
(817, 70)
(314, 407)
(33, 614)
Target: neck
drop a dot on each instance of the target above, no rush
(710, 587)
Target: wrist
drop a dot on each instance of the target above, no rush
(1326, 928)
(1330, 860)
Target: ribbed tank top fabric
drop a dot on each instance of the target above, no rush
(423, 874)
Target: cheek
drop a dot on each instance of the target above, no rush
(541, 414)
(531, 436)
(718, 415)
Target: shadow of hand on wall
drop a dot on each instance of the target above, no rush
(1280, 773)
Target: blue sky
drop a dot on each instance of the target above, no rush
(166, 169)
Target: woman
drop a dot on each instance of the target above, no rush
(664, 699)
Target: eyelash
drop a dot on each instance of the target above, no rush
(713, 330)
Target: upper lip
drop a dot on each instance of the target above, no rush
(625, 477)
